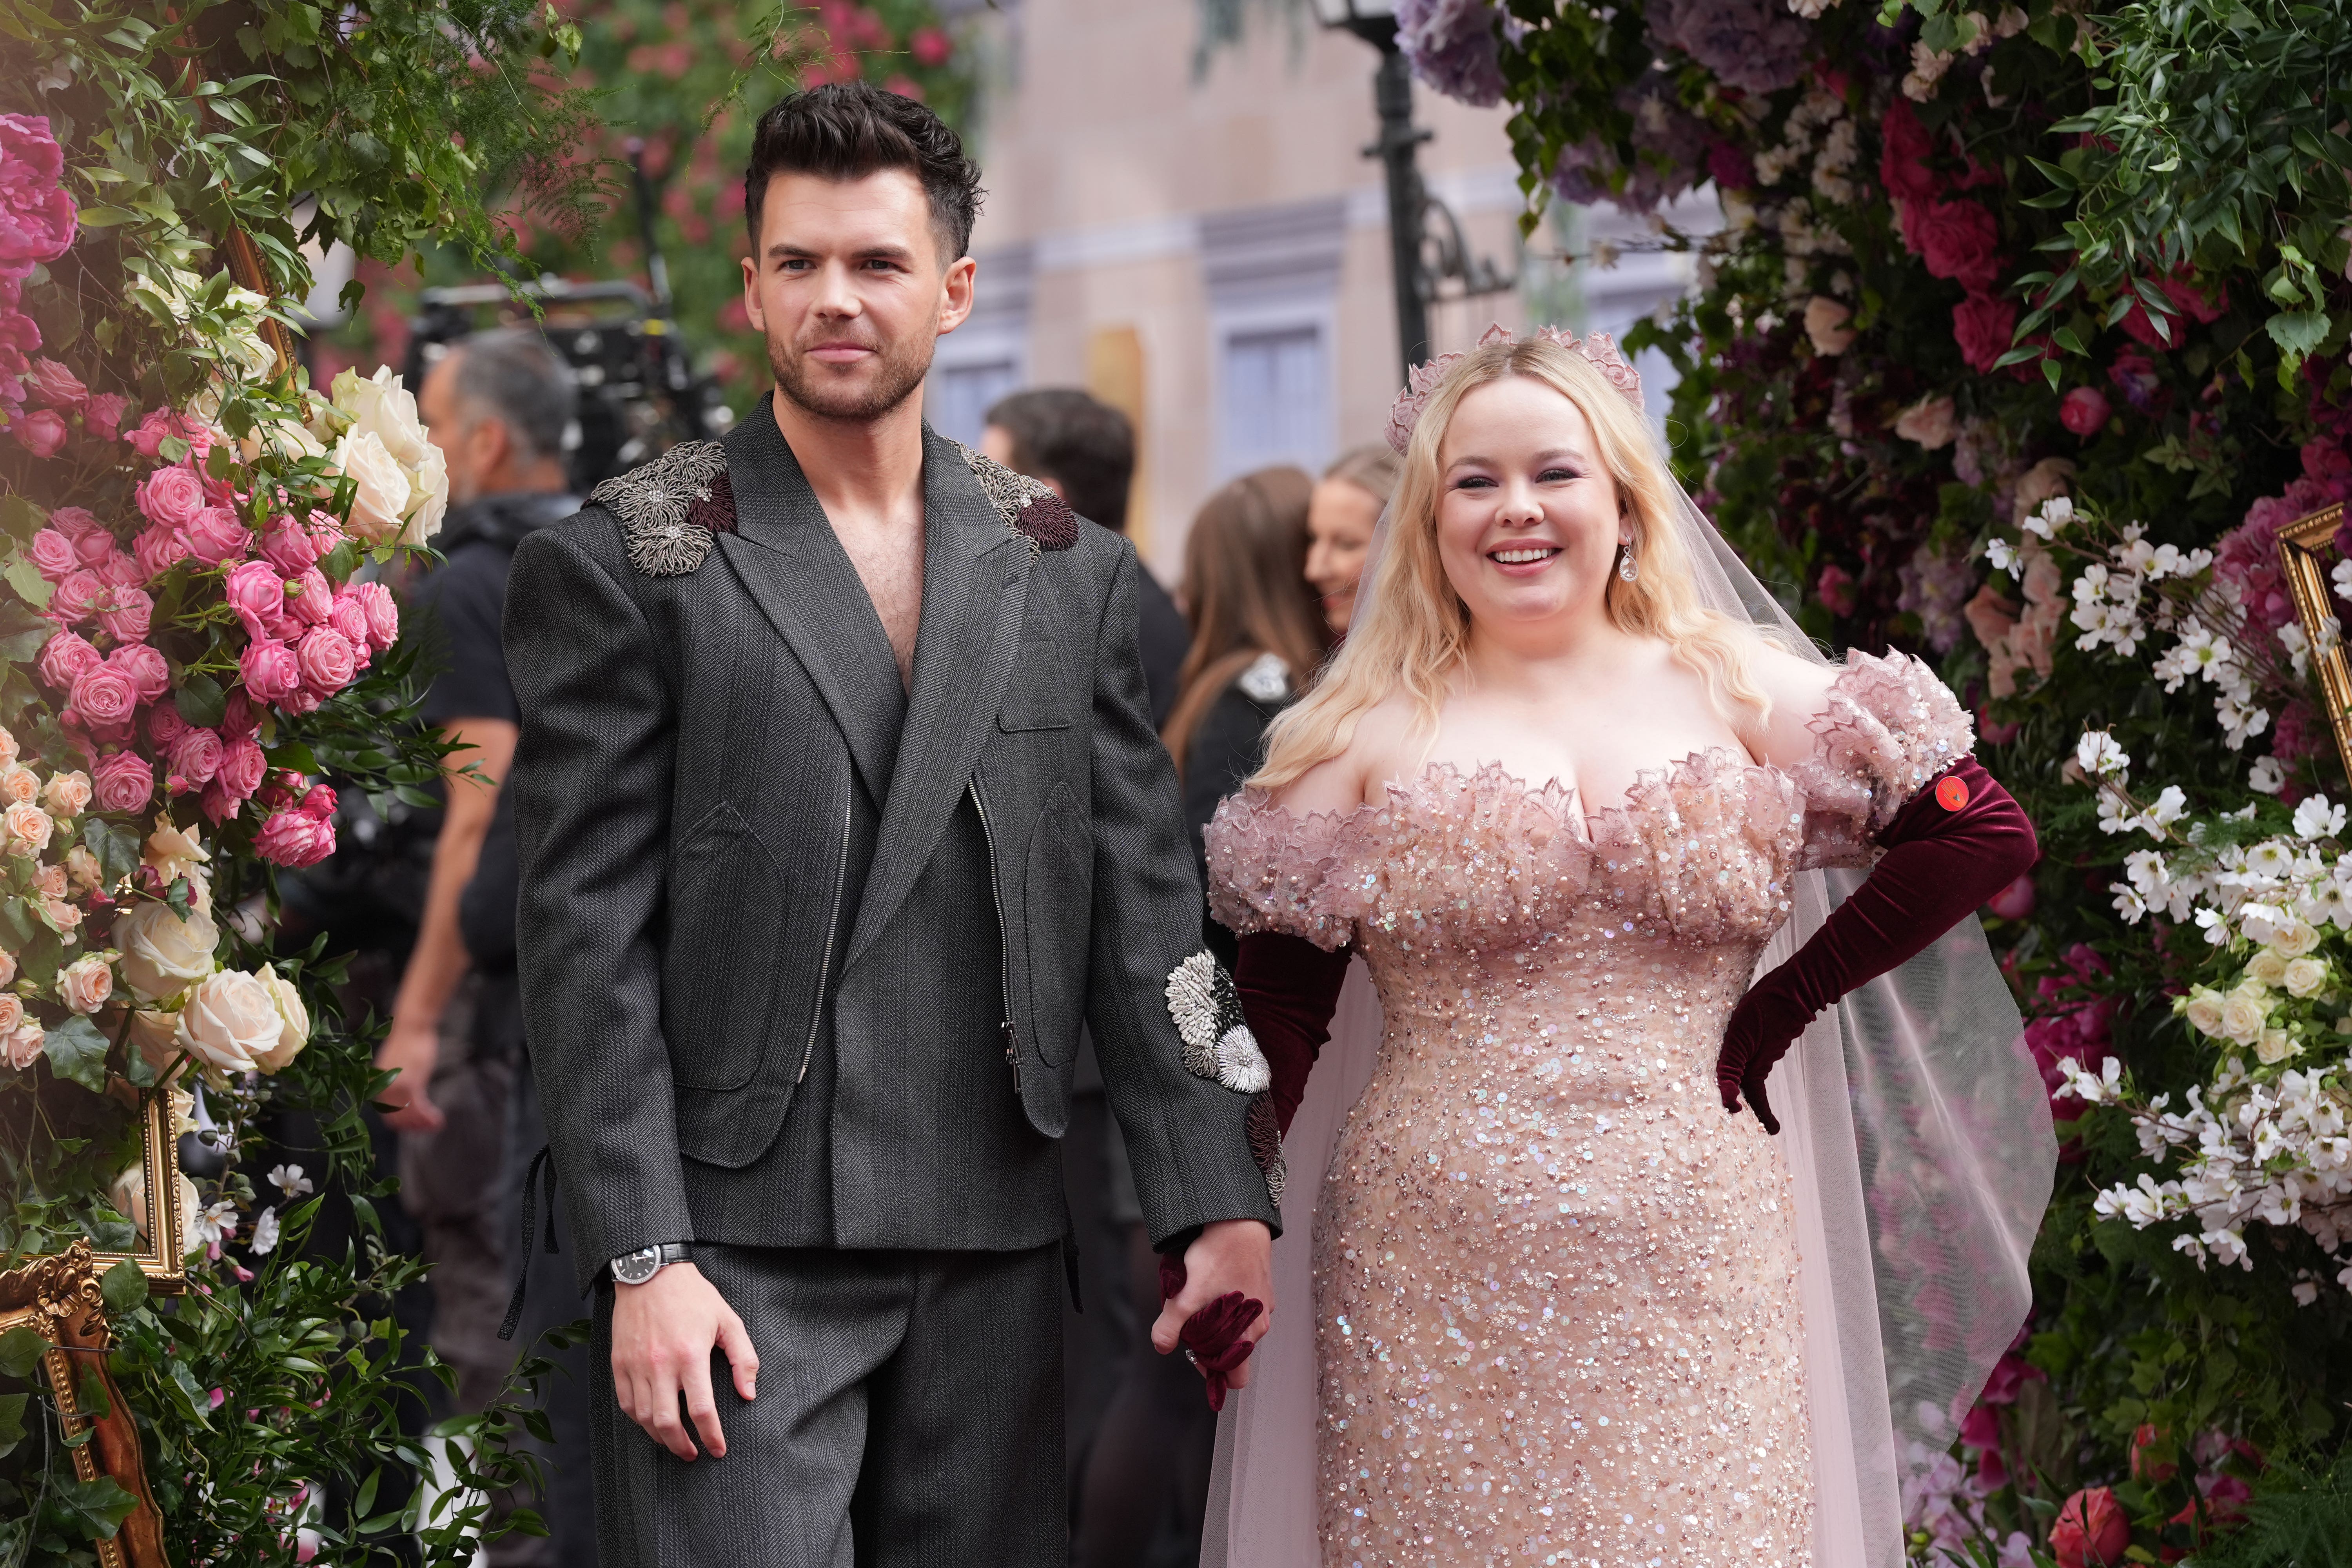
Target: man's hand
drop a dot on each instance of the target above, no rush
(410, 1051)
(1231, 1255)
(662, 1331)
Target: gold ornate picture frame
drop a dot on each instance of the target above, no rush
(162, 1252)
(2307, 553)
(58, 1298)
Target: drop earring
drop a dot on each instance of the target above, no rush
(1625, 562)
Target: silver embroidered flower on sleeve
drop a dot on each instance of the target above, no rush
(1218, 1045)
(651, 504)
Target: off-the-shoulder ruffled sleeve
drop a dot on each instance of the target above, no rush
(1889, 726)
(1269, 870)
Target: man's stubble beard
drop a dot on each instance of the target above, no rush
(898, 373)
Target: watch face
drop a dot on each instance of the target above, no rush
(636, 1268)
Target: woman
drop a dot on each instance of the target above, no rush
(1256, 634)
(1559, 793)
(1340, 519)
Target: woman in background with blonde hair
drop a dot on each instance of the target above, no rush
(1347, 506)
(1558, 791)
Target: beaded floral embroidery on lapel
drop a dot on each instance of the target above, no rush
(672, 509)
(1218, 1045)
(1029, 507)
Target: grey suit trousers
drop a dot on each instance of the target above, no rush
(923, 1389)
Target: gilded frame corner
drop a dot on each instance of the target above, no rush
(2306, 547)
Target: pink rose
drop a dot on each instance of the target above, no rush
(318, 801)
(217, 804)
(2015, 901)
(123, 782)
(38, 217)
(2085, 411)
(1983, 326)
(160, 548)
(2092, 1531)
(254, 588)
(94, 547)
(243, 717)
(41, 433)
(56, 385)
(103, 695)
(103, 414)
(242, 766)
(270, 670)
(383, 615)
(347, 617)
(1959, 240)
(309, 596)
(79, 595)
(128, 621)
(148, 439)
(300, 700)
(65, 659)
(328, 660)
(287, 546)
(215, 536)
(295, 838)
(1835, 589)
(164, 725)
(172, 496)
(53, 554)
(193, 759)
(148, 671)
(123, 570)
(75, 522)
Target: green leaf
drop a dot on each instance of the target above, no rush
(21, 1349)
(122, 1287)
(2298, 333)
(12, 1422)
(21, 519)
(339, 564)
(22, 632)
(26, 580)
(117, 849)
(101, 1505)
(77, 1050)
(201, 700)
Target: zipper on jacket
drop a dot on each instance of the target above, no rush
(831, 927)
(1003, 938)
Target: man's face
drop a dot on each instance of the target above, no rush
(850, 290)
(469, 447)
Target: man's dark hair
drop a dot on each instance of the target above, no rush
(848, 129)
(1081, 443)
(511, 375)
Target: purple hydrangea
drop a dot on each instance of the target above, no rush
(1753, 45)
(1671, 146)
(1452, 47)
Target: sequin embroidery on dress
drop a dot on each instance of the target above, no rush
(1556, 1301)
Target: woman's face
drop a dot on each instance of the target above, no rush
(1528, 521)
(1339, 520)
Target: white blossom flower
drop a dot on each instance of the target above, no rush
(289, 1180)
(2267, 776)
(213, 1224)
(2003, 556)
(2099, 753)
(2315, 818)
(265, 1233)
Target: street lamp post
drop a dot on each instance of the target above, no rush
(1412, 208)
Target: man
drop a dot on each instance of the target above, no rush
(1084, 451)
(839, 808)
(498, 405)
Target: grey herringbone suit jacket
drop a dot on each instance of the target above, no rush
(754, 869)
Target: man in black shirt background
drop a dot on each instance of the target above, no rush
(502, 407)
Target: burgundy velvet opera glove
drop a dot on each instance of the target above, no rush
(1212, 1337)
(1956, 843)
(1290, 988)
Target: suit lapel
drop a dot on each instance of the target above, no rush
(975, 583)
(788, 558)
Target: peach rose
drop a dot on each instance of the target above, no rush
(172, 850)
(23, 1044)
(155, 1036)
(67, 794)
(1825, 324)
(228, 1020)
(19, 783)
(27, 828)
(12, 1012)
(84, 985)
(7, 967)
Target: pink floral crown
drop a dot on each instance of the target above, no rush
(1600, 351)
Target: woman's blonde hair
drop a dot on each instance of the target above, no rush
(1413, 633)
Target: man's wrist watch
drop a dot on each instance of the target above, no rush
(636, 1268)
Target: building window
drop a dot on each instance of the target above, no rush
(1276, 399)
(958, 397)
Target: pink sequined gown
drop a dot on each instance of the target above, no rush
(1556, 1303)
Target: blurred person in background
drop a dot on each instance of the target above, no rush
(1084, 449)
(1258, 635)
(1347, 503)
(498, 405)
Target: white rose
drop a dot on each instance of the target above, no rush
(428, 498)
(2203, 1011)
(2275, 1046)
(228, 1020)
(381, 495)
(84, 985)
(294, 1021)
(2297, 939)
(2307, 976)
(162, 954)
(284, 437)
(155, 1036)
(380, 407)
(2267, 966)
(129, 1193)
(2242, 1020)
(173, 851)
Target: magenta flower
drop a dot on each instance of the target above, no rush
(38, 217)
(123, 783)
(41, 433)
(270, 670)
